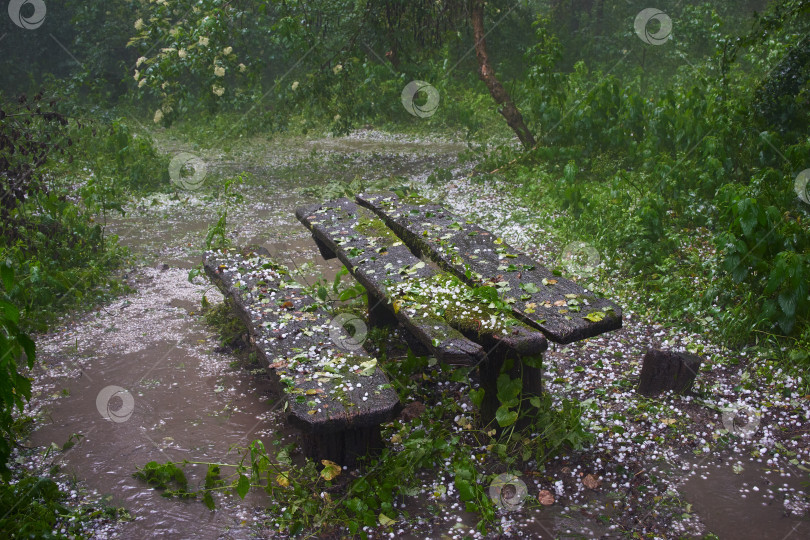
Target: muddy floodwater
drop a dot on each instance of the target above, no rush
(143, 378)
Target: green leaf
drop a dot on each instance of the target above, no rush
(465, 490)
(243, 486)
(356, 505)
(29, 347)
(369, 367)
(533, 361)
(477, 396)
(331, 470)
(7, 274)
(595, 316)
(508, 389)
(459, 375)
(787, 301)
(208, 500)
(505, 417)
(386, 521)
(530, 287)
(11, 311)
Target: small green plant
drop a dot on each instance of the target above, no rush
(216, 238)
(228, 325)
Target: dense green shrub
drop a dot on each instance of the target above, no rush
(650, 152)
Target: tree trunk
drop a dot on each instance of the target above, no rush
(508, 109)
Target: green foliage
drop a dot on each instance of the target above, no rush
(57, 248)
(15, 346)
(128, 159)
(336, 189)
(35, 507)
(706, 134)
(30, 507)
(167, 477)
(559, 428)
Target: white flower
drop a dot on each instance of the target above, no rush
(203, 41)
(182, 53)
(140, 61)
(218, 90)
(227, 50)
(158, 116)
(337, 117)
(137, 75)
(242, 68)
(294, 86)
(138, 24)
(337, 69)
(142, 82)
(219, 71)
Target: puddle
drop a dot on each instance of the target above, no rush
(756, 503)
(187, 403)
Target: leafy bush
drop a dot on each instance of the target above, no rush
(15, 345)
(640, 156)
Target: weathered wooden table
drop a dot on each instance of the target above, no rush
(470, 300)
(476, 301)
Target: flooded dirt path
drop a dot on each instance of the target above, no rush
(190, 401)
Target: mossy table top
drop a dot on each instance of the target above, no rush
(440, 310)
(558, 307)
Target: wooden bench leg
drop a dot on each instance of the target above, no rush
(532, 375)
(326, 253)
(378, 313)
(342, 447)
(489, 371)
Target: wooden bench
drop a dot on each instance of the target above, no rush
(558, 307)
(452, 320)
(381, 242)
(338, 398)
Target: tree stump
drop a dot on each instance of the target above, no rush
(667, 370)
